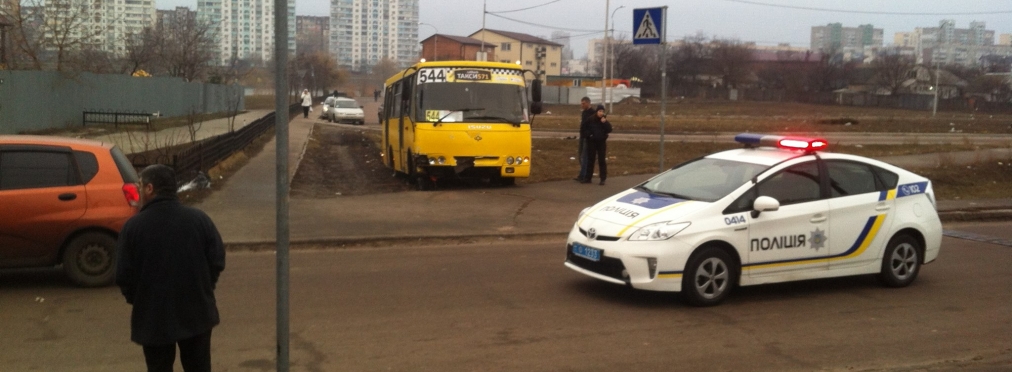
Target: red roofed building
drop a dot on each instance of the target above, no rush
(441, 47)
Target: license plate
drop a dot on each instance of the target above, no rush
(589, 253)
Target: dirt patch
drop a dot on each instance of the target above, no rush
(986, 179)
(343, 161)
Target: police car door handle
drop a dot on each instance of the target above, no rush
(819, 218)
(882, 207)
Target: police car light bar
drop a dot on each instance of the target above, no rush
(790, 143)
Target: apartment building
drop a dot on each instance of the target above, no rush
(244, 29)
(1005, 39)
(180, 15)
(947, 44)
(364, 32)
(104, 25)
(533, 53)
(312, 34)
(851, 41)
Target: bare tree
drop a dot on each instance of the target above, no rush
(996, 87)
(141, 51)
(891, 70)
(185, 48)
(194, 122)
(731, 60)
(382, 71)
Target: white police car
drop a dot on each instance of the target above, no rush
(777, 210)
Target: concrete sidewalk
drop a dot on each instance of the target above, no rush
(244, 209)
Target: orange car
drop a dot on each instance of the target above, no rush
(64, 201)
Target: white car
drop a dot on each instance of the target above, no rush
(774, 211)
(343, 109)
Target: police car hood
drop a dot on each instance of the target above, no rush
(633, 208)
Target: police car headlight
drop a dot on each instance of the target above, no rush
(658, 231)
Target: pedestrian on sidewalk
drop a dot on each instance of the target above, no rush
(597, 145)
(375, 95)
(169, 258)
(587, 112)
(307, 103)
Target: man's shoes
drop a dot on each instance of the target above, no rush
(602, 183)
(584, 181)
(577, 179)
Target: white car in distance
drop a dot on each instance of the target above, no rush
(343, 110)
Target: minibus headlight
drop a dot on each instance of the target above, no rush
(509, 160)
(442, 160)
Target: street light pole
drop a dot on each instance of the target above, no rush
(604, 55)
(435, 39)
(612, 72)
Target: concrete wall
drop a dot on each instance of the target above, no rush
(40, 100)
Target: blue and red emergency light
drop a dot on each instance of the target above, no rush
(784, 142)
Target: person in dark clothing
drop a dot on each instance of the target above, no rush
(581, 154)
(375, 95)
(598, 128)
(169, 259)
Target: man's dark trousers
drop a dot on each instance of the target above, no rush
(194, 355)
(583, 159)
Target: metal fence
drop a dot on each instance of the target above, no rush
(43, 100)
(203, 155)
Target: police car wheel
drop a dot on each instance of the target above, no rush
(708, 277)
(901, 262)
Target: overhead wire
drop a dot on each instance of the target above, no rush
(520, 10)
(541, 25)
(867, 12)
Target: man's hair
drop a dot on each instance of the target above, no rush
(585, 99)
(162, 177)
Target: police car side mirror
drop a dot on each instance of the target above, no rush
(764, 204)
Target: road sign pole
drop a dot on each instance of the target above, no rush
(664, 95)
(281, 118)
(650, 27)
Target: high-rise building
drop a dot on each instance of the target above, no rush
(562, 37)
(180, 15)
(244, 29)
(102, 25)
(312, 34)
(363, 32)
(847, 40)
(947, 44)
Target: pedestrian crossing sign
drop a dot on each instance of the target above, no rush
(648, 25)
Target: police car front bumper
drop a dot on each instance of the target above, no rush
(646, 265)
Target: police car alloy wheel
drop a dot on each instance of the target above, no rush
(780, 209)
(901, 262)
(708, 278)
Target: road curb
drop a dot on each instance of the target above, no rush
(977, 215)
(457, 239)
(386, 241)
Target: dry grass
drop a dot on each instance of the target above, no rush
(777, 117)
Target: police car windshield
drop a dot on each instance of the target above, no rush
(501, 103)
(703, 179)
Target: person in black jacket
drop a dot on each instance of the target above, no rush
(169, 260)
(598, 128)
(581, 153)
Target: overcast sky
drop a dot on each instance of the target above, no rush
(746, 20)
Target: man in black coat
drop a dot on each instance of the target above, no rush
(587, 113)
(598, 128)
(169, 260)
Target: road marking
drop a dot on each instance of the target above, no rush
(977, 237)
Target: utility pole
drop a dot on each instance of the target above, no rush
(604, 55)
(612, 72)
(281, 181)
(934, 107)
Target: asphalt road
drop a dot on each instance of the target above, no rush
(512, 306)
